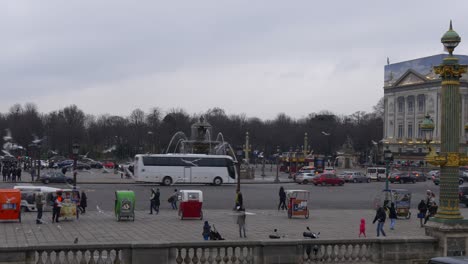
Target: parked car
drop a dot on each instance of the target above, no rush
(305, 178)
(376, 173)
(64, 163)
(463, 195)
(354, 176)
(401, 177)
(436, 180)
(94, 164)
(108, 164)
(327, 179)
(420, 176)
(79, 166)
(55, 177)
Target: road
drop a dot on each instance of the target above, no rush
(256, 196)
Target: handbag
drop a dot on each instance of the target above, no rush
(171, 199)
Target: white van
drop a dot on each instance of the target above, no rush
(28, 196)
(376, 173)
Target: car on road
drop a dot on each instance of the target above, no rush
(354, 176)
(401, 177)
(79, 166)
(420, 176)
(92, 163)
(305, 178)
(64, 163)
(376, 173)
(108, 164)
(463, 194)
(436, 180)
(328, 179)
(55, 177)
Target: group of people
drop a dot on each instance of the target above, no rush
(155, 200)
(80, 200)
(11, 172)
(427, 208)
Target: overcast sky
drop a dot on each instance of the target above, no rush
(254, 57)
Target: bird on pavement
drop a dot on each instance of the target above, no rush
(76, 241)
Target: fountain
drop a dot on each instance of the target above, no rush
(200, 141)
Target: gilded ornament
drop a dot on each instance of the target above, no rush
(453, 159)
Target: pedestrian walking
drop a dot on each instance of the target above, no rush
(362, 227)
(380, 217)
(431, 211)
(4, 172)
(8, 173)
(241, 221)
(57, 207)
(206, 231)
(239, 200)
(39, 206)
(13, 174)
(392, 214)
(282, 198)
(33, 173)
(83, 202)
(173, 199)
(18, 173)
(422, 207)
(154, 201)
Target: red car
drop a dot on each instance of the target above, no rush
(328, 179)
(108, 164)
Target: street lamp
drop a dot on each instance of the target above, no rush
(277, 164)
(388, 156)
(76, 150)
(450, 158)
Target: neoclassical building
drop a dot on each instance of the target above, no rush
(412, 90)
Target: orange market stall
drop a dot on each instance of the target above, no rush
(10, 204)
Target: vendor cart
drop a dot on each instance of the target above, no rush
(191, 202)
(297, 203)
(124, 205)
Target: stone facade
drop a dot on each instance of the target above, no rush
(412, 90)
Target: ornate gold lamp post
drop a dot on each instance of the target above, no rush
(449, 159)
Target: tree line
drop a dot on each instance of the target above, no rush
(121, 137)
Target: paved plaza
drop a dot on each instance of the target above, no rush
(102, 227)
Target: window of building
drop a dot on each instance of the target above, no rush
(410, 106)
(410, 131)
(421, 103)
(400, 130)
(401, 105)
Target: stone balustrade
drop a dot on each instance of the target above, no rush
(387, 250)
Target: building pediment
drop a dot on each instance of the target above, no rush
(410, 77)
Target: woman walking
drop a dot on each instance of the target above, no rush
(392, 215)
(282, 197)
(83, 202)
(422, 212)
(380, 217)
(241, 221)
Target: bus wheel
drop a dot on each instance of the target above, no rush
(217, 181)
(167, 181)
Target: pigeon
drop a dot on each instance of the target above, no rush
(110, 149)
(7, 153)
(8, 136)
(375, 143)
(76, 241)
(325, 133)
(36, 140)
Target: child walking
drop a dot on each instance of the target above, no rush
(362, 228)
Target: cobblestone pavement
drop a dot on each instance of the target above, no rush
(94, 227)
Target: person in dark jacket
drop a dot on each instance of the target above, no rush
(155, 202)
(18, 173)
(83, 202)
(282, 197)
(206, 230)
(392, 214)
(422, 212)
(380, 217)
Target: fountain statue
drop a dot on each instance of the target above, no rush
(200, 141)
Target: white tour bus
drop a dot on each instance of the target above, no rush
(167, 169)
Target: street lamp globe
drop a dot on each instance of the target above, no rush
(427, 129)
(388, 155)
(450, 39)
(76, 148)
